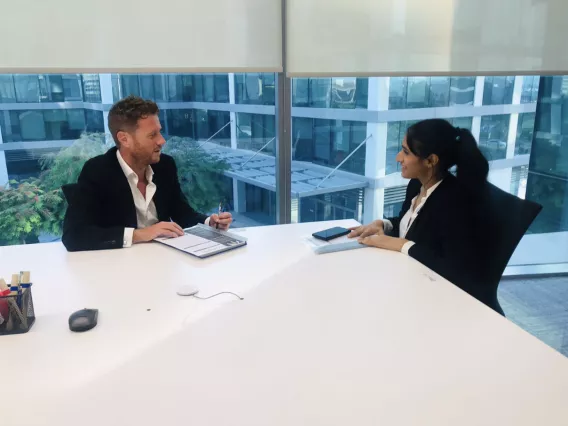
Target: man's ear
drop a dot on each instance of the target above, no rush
(123, 138)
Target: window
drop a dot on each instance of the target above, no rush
(7, 89)
(525, 131)
(498, 90)
(91, 88)
(27, 87)
(462, 90)
(129, 84)
(72, 87)
(493, 136)
(255, 88)
(395, 134)
(529, 92)
(349, 93)
(256, 132)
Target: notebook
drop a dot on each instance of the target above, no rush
(337, 244)
(204, 241)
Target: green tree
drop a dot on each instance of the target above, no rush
(26, 210)
(36, 206)
(199, 173)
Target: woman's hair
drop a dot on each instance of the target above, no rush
(454, 146)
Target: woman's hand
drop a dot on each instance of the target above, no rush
(363, 231)
(384, 242)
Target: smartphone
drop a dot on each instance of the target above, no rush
(331, 233)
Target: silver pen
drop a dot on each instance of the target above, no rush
(219, 214)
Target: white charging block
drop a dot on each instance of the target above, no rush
(187, 290)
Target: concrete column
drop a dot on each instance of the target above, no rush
(514, 119)
(3, 165)
(376, 148)
(477, 101)
(501, 178)
(239, 189)
(233, 115)
(106, 97)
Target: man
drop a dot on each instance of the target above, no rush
(132, 193)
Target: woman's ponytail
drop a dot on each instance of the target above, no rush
(472, 166)
(454, 147)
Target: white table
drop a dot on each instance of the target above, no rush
(359, 337)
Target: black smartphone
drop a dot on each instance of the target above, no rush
(331, 233)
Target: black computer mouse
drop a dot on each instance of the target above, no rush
(83, 320)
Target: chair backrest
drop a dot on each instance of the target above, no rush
(507, 218)
(69, 191)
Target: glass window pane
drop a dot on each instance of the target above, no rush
(174, 87)
(244, 131)
(322, 141)
(498, 90)
(397, 92)
(302, 139)
(27, 87)
(198, 88)
(493, 136)
(221, 88)
(147, 86)
(92, 88)
(209, 88)
(32, 125)
(525, 131)
(72, 87)
(130, 85)
(462, 90)
(7, 89)
(362, 93)
(320, 92)
(343, 92)
(94, 121)
(417, 93)
(439, 91)
(300, 92)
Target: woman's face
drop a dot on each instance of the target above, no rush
(412, 167)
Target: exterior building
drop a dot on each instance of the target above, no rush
(346, 132)
(548, 171)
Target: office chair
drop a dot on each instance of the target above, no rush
(507, 218)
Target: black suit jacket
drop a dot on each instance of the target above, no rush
(449, 238)
(102, 204)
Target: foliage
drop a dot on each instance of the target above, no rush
(26, 210)
(35, 206)
(65, 166)
(199, 173)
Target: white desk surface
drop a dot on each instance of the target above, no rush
(360, 337)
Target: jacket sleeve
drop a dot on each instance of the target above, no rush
(182, 213)
(412, 190)
(80, 226)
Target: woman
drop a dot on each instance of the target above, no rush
(440, 222)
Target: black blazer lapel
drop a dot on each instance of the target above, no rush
(122, 194)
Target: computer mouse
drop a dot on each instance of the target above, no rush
(83, 320)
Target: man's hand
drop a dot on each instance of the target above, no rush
(161, 229)
(363, 231)
(221, 221)
(384, 242)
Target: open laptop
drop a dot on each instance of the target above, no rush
(204, 241)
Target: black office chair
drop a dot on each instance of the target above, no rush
(70, 191)
(507, 218)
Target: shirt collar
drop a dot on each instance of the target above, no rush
(432, 188)
(128, 172)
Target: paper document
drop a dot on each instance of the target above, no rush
(337, 244)
(204, 241)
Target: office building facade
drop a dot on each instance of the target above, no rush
(346, 132)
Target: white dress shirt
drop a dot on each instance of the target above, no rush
(146, 213)
(409, 217)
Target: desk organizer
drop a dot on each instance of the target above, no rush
(17, 312)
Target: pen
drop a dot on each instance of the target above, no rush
(219, 214)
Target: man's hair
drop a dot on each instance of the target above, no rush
(124, 115)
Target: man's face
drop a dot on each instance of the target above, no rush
(146, 142)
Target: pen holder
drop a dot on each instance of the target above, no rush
(17, 312)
